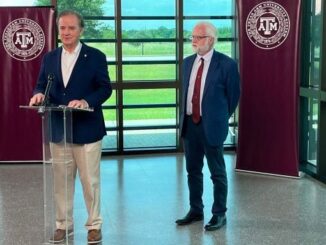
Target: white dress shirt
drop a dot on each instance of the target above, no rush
(68, 61)
(207, 60)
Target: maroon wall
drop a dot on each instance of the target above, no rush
(269, 37)
(27, 33)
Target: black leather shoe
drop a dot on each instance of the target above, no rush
(189, 218)
(215, 223)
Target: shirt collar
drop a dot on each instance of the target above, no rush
(76, 50)
(206, 57)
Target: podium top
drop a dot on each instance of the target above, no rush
(55, 108)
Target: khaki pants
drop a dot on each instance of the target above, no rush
(86, 158)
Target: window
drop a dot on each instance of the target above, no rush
(144, 49)
(313, 91)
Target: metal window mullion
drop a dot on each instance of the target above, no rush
(119, 92)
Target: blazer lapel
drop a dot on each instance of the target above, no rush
(79, 65)
(188, 69)
(211, 70)
(59, 71)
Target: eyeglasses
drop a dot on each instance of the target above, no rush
(197, 38)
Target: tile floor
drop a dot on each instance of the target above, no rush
(143, 195)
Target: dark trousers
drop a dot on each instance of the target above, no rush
(196, 147)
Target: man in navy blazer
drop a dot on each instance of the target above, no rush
(80, 79)
(213, 78)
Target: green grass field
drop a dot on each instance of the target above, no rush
(144, 97)
(145, 73)
(154, 49)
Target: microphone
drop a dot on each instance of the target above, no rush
(47, 90)
(46, 94)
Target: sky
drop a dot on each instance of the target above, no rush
(162, 7)
(16, 2)
(131, 7)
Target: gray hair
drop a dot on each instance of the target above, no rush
(211, 30)
(72, 12)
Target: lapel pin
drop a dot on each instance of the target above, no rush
(85, 55)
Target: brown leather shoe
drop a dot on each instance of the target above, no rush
(94, 236)
(59, 236)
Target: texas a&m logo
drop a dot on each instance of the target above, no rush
(23, 39)
(268, 25)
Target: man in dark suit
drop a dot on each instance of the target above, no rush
(80, 80)
(211, 91)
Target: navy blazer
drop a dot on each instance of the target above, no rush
(220, 96)
(89, 80)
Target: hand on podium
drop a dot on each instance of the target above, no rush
(82, 104)
(37, 99)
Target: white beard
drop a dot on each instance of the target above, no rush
(201, 50)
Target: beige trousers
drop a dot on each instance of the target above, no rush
(86, 159)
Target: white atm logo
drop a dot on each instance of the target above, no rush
(23, 39)
(268, 25)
